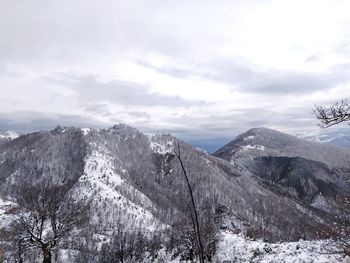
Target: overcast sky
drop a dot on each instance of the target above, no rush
(197, 68)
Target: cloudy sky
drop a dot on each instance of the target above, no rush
(200, 69)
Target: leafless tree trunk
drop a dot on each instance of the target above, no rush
(194, 209)
(47, 214)
(46, 253)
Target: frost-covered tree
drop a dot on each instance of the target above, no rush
(48, 216)
(182, 240)
(128, 245)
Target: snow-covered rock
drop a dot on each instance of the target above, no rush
(162, 143)
(9, 135)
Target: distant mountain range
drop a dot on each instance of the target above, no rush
(265, 183)
(336, 136)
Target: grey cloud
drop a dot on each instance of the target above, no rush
(99, 108)
(249, 78)
(175, 72)
(118, 92)
(292, 83)
(139, 114)
(28, 121)
(103, 109)
(49, 31)
(313, 58)
(49, 36)
(231, 123)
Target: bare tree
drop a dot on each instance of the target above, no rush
(334, 114)
(182, 239)
(47, 215)
(193, 211)
(129, 246)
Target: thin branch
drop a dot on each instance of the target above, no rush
(334, 114)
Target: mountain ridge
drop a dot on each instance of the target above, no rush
(136, 180)
(272, 142)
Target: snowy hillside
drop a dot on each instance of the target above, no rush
(133, 183)
(267, 142)
(316, 174)
(112, 197)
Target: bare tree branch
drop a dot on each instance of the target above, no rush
(334, 114)
(47, 215)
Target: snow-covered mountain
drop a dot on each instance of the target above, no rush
(267, 142)
(135, 180)
(8, 135)
(313, 173)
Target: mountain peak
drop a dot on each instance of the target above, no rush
(259, 142)
(264, 132)
(259, 129)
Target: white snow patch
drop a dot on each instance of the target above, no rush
(113, 197)
(202, 150)
(320, 202)
(6, 216)
(237, 248)
(85, 131)
(99, 167)
(250, 147)
(9, 135)
(162, 147)
(250, 137)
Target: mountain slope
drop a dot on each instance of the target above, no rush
(134, 180)
(314, 174)
(266, 142)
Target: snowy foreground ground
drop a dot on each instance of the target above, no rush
(234, 248)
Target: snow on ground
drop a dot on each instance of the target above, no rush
(202, 150)
(9, 135)
(99, 167)
(160, 145)
(249, 137)
(112, 196)
(231, 247)
(6, 212)
(85, 131)
(237, 248)
(249, 147)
